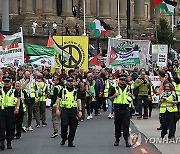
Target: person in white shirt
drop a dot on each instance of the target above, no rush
(34, 25)
(54, 27)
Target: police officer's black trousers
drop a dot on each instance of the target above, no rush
(168, 122)
(122, 120)
(18, 123)
(7, 124)
(68, 118)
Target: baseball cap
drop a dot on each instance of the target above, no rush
(70, 79)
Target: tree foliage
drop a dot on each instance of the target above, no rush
(164, 33)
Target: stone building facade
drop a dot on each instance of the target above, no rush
(142, 11)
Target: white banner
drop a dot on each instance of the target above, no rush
(12, 50)
(156, 84)
(127, 53)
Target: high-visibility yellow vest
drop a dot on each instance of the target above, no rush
(41, 87)
(168, 106)
(106, 89)
(59, 87)
(177, 70)
(8, 99)
(69, 99)
(29, 90)
(123, 97)
(23, 103)
(177, 90)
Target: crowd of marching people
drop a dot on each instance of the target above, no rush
(25, 90)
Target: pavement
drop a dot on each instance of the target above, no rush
(95, 136)
(149, 129)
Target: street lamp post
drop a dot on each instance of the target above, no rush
(84, 3)
(119, 35)
(5, 15)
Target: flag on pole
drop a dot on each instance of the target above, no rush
(168, 5)
(55, 46)
(99, 27)
(39, 55)
(97, 60)
(173, 52)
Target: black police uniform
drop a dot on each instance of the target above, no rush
(7, 121)
(68, 118)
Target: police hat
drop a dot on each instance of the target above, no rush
(6, 79)
(122, 77)
(70, 79)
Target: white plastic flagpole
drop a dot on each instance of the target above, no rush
(119, 35)
(172, 23)
(84, 3)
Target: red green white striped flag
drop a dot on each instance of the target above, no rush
(168, 5)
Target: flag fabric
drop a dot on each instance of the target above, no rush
(168, 5)
(91, 47)
(97, 60)
(173, 52)
(55, 46)
(99, 27)
(113, 56)
(1, 37)
(39, 55)
(12, 49)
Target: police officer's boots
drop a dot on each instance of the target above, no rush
(116, 143)
(2, 146)
(9, 145)
(70, 144)
(127, 144)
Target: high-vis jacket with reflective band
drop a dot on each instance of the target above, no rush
(8, 99)
(177, 90)
(59, 87)
(106, 89)
(41, 87)
(168, 106)
(30, 89)
(69, 99)
(122, 97)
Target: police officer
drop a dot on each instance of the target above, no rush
(70, 105)
(9, 105)
(122, 99)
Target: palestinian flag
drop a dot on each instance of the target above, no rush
(99, 27)
(172, 52)
(57, 49)
(12, 41)
(39, 55)
(97, 60)
(168, 5)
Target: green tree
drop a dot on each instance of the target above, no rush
(164, 33)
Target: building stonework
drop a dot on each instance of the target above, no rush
(142, 11)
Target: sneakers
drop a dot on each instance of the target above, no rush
(30, 129)
(91, 116)
(54, 135)
(44, 124)
(139, 117)
(24, 129)
(109, 116)
(88, 118)
(38, 126)
(145, 117)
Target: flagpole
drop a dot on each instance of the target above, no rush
(84, 3)
(172, 22)
(22, 43)
(119, 35)
(62, 48)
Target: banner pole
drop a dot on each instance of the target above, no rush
(62, 48)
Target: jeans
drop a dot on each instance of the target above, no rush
(110, 105)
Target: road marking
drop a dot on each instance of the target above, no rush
(143, 151)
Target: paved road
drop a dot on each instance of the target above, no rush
(95, 136)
